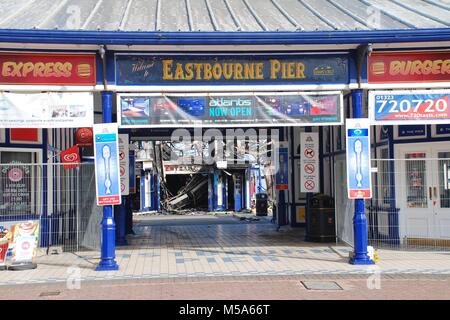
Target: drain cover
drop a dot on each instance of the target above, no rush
(49, 293)
(321, 285)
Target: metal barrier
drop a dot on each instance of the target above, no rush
(63, 200)
(410, 207)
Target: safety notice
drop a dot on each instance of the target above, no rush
(309, 162)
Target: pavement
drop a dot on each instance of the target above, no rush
(167, 248)
(312, 287)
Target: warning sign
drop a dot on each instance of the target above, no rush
(310, 168)
(309, 162)
(309, 153)
(124, 164)
(310, 185)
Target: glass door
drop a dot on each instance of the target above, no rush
(441, 194)
(414, 192)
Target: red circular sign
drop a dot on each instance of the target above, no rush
(310, 168)
(309, 153)
(309, 184)
(15, 174)
(83, 137)
(26, 245)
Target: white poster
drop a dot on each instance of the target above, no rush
(309, 162)
(359, 176)
(46, 110)
(124, 162)
(107, 175)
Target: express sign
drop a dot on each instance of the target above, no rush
(47, 69)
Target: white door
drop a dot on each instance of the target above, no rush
(423, 190)
(441, 191)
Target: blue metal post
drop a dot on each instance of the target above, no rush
(359, 219)
(308, 201)
(121, 223)
(259, 179)
(158, 193)
(237, 192)
(108, 254)
(129, 207)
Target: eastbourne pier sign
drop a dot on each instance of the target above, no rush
(231, 70)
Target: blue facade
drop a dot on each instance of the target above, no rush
(60, 139)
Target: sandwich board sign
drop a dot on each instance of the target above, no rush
(107, 167)
(359, 180)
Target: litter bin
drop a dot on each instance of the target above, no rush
(320, 220)
(261, 204)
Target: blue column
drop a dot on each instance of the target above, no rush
(158, 193)
(308, 201)
(45, 232)
(130, 217)
(129, 207)
(121, 221)
(210, 191)
(108, 254)
(237, 192)
(359, 219)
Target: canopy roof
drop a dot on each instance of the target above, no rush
(223, 15)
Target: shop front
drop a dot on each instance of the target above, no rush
(44, 97)
(219, 105)
(222, 115)
(408, 103)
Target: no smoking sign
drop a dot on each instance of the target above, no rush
(309, 162)
(310, 168)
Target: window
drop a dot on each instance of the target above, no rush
(20, 183)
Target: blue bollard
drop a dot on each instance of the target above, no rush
(108, 257)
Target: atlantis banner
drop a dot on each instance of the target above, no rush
(230, 110)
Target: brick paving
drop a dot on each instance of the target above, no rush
(433, 287)
(217, 247)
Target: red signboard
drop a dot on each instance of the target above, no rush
(108, 200)
(47, 69)
(408, 67)
(359, 194)
(24, 135)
